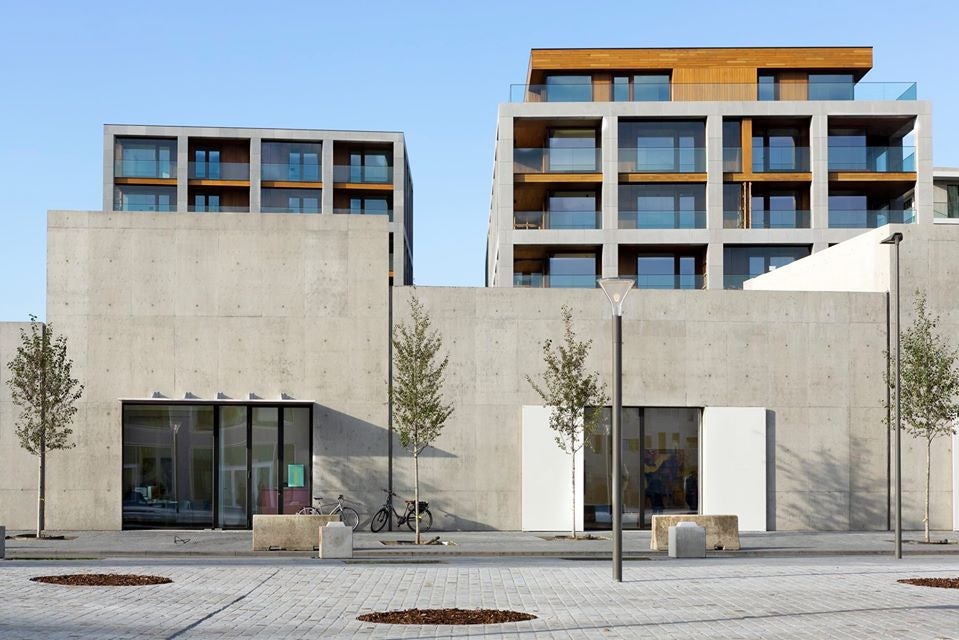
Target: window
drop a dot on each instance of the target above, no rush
(667, 271)
(572, 270)
(831, 86)
(732, 145)
(133, 198)
(848, 150)
(369, 206)
(572, 150)
(203, 202)
(662, 146)
(145, 158)
(620, 89)
(290, 201)
(744, 262)
(662, 206)
(569, 88)
(370, 166)
(572, 210)
(206, 164)
(779, 150)
(651, 88)
(768, 87)
(291, 161)
(777, 209)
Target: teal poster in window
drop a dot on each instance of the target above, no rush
(295, 475)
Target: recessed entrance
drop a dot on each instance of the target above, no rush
(205, 465)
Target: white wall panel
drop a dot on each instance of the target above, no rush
(734, 464)
(547, 503)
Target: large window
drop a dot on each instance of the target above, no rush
(667, 271)
(748, 261)
(660, 467)
(662, 146)
(137, 198)
(831, 86)
(572, 270)
(572, 150)
(779, 149)
(290, 201)
(291, 161)
(145, 158)
(662, 206)
(196, 465)
(572, 210)
(569, 88)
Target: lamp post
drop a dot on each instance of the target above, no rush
(895, 239)
(616, 290)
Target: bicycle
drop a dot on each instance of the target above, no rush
(348, 515)
(381, 517)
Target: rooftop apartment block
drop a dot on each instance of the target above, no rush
(698, 168)
(264, 171)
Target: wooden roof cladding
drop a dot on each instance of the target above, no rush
(857, 60)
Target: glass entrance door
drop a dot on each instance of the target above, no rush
(264, 461)
(232, 472)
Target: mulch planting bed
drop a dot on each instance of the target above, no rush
(446, 616)
(942, 583)
(582, 536)
(102, 580)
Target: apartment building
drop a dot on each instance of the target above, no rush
(264, 171)
(698, 168)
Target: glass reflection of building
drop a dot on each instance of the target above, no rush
(660, 467)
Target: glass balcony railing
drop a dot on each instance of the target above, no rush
(773, 159)
(289, 209)
(732, 159)
(662, 159)
(137, 206)
(555, 281)
(734, 220)
(670, 281)
(662, 219)
(217, 209)
(557, 220)
(941, 211)
(219, 170)
(362, 174)
(793, 219)
(700, 92)
(287, 172)
(736, 280)
(144, 169)
(583, 160)
(366, 212)
(887, 159)
(868, 219)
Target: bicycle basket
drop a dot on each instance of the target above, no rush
(424, 505)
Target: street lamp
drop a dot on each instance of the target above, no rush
(616, 290)
(895, 239)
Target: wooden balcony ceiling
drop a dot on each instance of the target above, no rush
(857, 60)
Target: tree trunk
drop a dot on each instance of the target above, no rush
(416, 493)
(573, 528)
(925, 518)
(42, 484)
(41, 493)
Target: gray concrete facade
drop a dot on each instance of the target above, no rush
(503, 237)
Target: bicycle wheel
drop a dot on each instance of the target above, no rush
(426, 520)
(308, 511)
(350, 517)
(379, 520)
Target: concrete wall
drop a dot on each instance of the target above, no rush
(18, 469)
(813, 359)
(232, 304)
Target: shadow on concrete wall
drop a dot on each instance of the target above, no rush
(770, 470)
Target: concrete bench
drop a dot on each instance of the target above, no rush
(336, 541)
(287, 532)
(722, 532)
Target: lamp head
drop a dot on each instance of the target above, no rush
(616, 290)
(895, 238)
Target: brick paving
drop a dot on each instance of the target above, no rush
(735, 597)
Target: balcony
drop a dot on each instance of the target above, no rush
(549, 281)
(662, 219)
(868, 219)
(720, 92)
(780, 159)
(732, 159)
(129, 168)
(557, 220)
(778, 219)
(217, 209)
(290, 209)
(662, 159)
(366, 212)
(671, 281)
(736, 280)
(220, 171)
(288, 172)
(536, 160)
(873, 159)
(362, 174)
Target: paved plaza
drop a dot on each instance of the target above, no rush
(733, 597)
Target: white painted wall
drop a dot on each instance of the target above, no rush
(547, 503)
(734, 464)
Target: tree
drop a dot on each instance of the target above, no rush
(419, 412)
(44, 389)
(929, 386)
(570, 389)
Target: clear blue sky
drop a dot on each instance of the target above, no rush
(434, 70)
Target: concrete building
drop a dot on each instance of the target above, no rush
(237, 363)
(698, 168)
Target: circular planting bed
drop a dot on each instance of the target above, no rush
(942, 583)
(102, 580)
(446, 616)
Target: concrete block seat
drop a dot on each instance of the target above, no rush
(687, 540)
(287, 532)
(335, 541)
(722, 532)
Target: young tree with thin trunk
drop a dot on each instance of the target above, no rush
(570, 389)
(929, 388)
(419, 411)
(44, 389)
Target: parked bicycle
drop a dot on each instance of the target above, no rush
(348, 515)
(381, 517)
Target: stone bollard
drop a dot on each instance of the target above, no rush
(336, 541)
(3, 541)
(687, 540)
